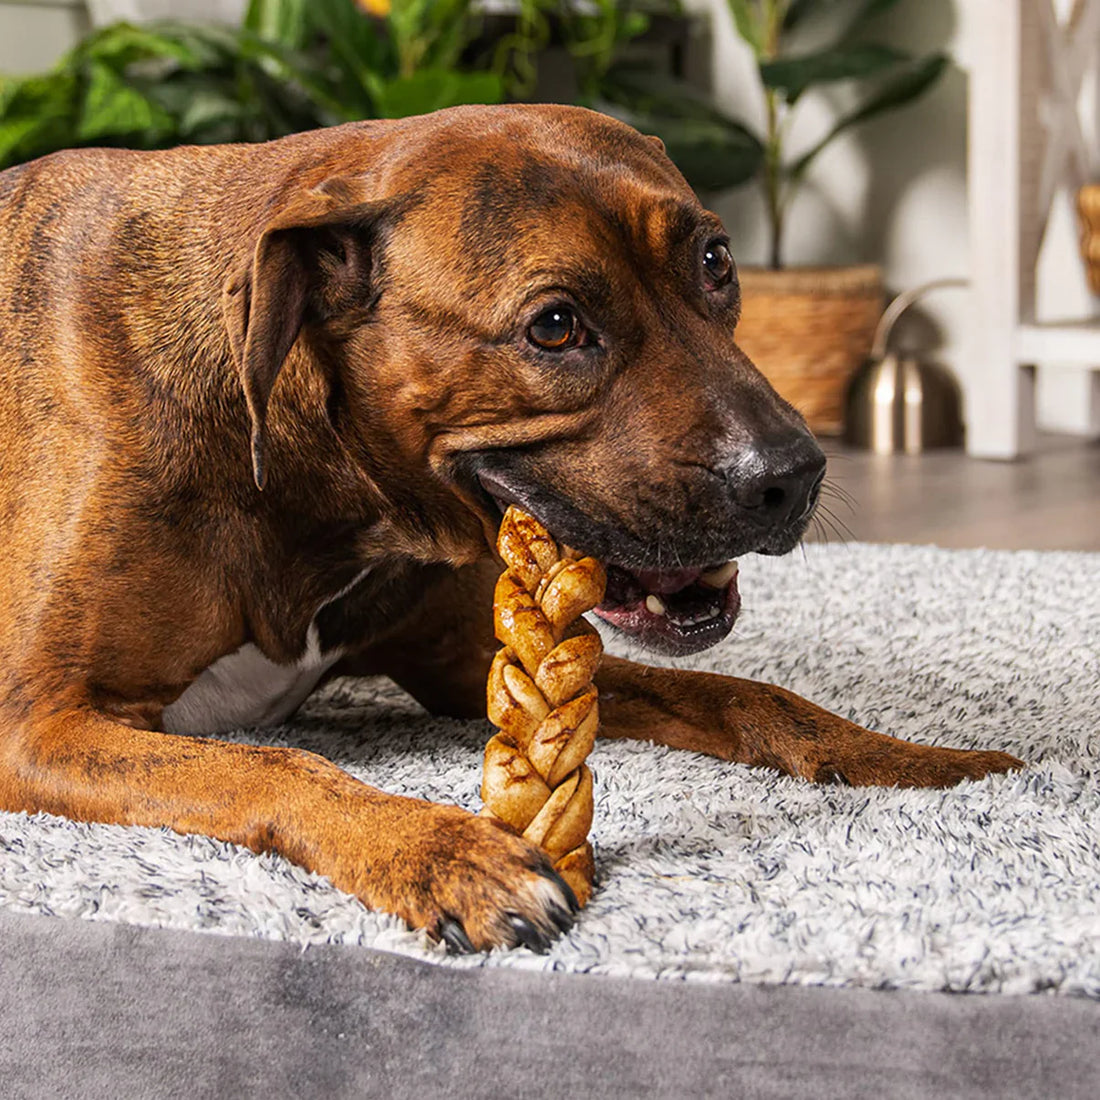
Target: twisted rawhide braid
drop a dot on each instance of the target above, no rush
(542, 697)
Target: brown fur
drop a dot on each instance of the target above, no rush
(147, 303)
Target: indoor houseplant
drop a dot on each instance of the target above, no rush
(291, 65)
(809, 328)
(298, 64)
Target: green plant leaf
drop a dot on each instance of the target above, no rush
(37, 116)
(162, 48)
(282, 22)
(17, 135)
(894, 93)
(356, 46)
(594, 34)
(8, 87)
(431, 34)
(300, 72)
(207, 109)
(793, 75)
(431, 89)
(122, 44)
(356, 54)
(750, 26)
(711, 157)
(113, 109)
(712, 150)
(632, 87)
(515, 54)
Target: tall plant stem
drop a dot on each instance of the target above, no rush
(774, 13)
(773, 182)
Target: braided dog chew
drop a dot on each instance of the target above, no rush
(541, 696)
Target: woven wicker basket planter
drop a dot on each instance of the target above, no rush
(808, 329)
(1088, 212)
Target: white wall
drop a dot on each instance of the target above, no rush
(108, 11)
(894, 191)
(34, 33)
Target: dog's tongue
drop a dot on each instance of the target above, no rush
(665, 581)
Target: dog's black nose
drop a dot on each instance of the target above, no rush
(778, 483)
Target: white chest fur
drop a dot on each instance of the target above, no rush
(244, 688)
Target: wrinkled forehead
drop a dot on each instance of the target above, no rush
(547, 205)
(506, 217)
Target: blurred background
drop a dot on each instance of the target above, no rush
(937, 154)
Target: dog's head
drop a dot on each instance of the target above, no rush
(529, 305)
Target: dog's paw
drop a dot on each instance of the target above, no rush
(469, 882)
(909, 765)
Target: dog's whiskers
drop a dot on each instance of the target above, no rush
(837, 492)
(830, 526)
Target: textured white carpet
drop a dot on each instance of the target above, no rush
(715, 872)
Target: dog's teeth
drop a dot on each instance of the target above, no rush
(707, 616)
(720, 577)
(653, 604)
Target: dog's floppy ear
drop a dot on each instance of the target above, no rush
(321, 236)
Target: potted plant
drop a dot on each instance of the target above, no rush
(809, 328)
(296, 64)
(291, 65)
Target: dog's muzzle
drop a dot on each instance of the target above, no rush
(770, 495)
(675, 590)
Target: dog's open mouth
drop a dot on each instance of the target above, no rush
(674, 611)
(677, 611)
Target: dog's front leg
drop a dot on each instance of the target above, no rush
(760, 724)
(442, 658)
(436, 866)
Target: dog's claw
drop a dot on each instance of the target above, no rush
(528, 934)
(563, 920)
(831, 774)
(454, 936)
(562, 885)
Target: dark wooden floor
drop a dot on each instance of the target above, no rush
(1050, 501)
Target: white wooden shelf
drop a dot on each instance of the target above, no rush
(1026, 146)
(1075, 343)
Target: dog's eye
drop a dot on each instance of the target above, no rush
(719, 264)
(556, 329)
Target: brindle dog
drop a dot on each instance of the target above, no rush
(260, 408)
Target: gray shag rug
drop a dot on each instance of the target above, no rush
(714, 872)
